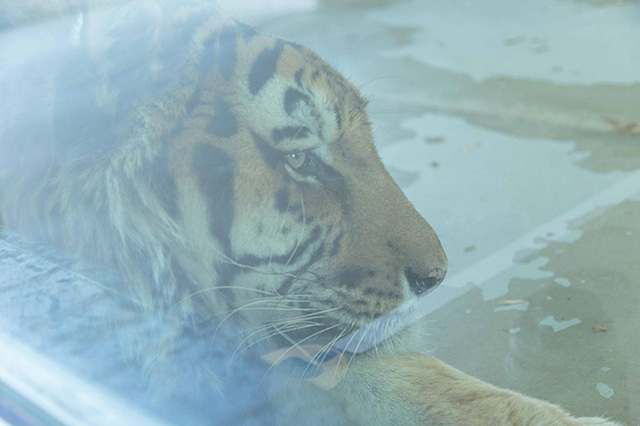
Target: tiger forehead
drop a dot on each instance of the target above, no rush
(261, 90)
(306, 71)
(304, 101)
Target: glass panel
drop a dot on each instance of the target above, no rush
(195, 221)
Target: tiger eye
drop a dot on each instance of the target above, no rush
(296, 159)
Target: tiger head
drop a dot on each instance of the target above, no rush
(214, 165)
(305, 230)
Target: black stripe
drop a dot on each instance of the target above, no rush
(335, 246)
(193, 102)
(223, 123)
(293, 45)
(315, 256)
(289, 132)
(332, 180)
(338, 117)
(228, 54)
(282, 200)
(298, 76)
(271, 156)
(247, 31)
(208, 59)
(206, 64)
(285, 286)
(298, 251)
(215, 171)
(291, 99)
(264, 67)
(292, 257)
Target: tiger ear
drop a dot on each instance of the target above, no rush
(120, 31)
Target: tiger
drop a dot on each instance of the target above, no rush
(229, 172)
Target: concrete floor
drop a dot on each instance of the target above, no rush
(514, 127)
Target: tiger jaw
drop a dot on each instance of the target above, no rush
(299, 320)
(324, 362)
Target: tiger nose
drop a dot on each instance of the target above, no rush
(420, 284)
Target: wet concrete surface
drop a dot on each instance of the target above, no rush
(571, 336)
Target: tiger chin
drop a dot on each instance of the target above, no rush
(231, 173)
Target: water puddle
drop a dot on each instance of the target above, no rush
(574, 344)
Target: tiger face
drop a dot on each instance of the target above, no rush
(213, 165)
(286, 187)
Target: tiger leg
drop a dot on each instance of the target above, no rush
(416, 389)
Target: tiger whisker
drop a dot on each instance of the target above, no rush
(344, 350)
(260, 271)
(377, 112)
(384, 77)
(330, 344)
(290, 275)
(229, 261)
(239, 309)
(277, 330)
(281, 302)
(304, 225)
(279, 308)
(224, 287)
(271, 272)
(295, 319)
(255, 302)
(312, 311)
(374, 125)
(287, 323)
(298, 132)
(324, 351)
(355, 352)
(296, 345)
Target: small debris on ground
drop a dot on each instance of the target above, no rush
(507, 302)
(434, 139)
(512, 41)
(621, 127)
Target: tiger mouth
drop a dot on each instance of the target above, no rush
(352, 338)
(324, 360)
(322, 336)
